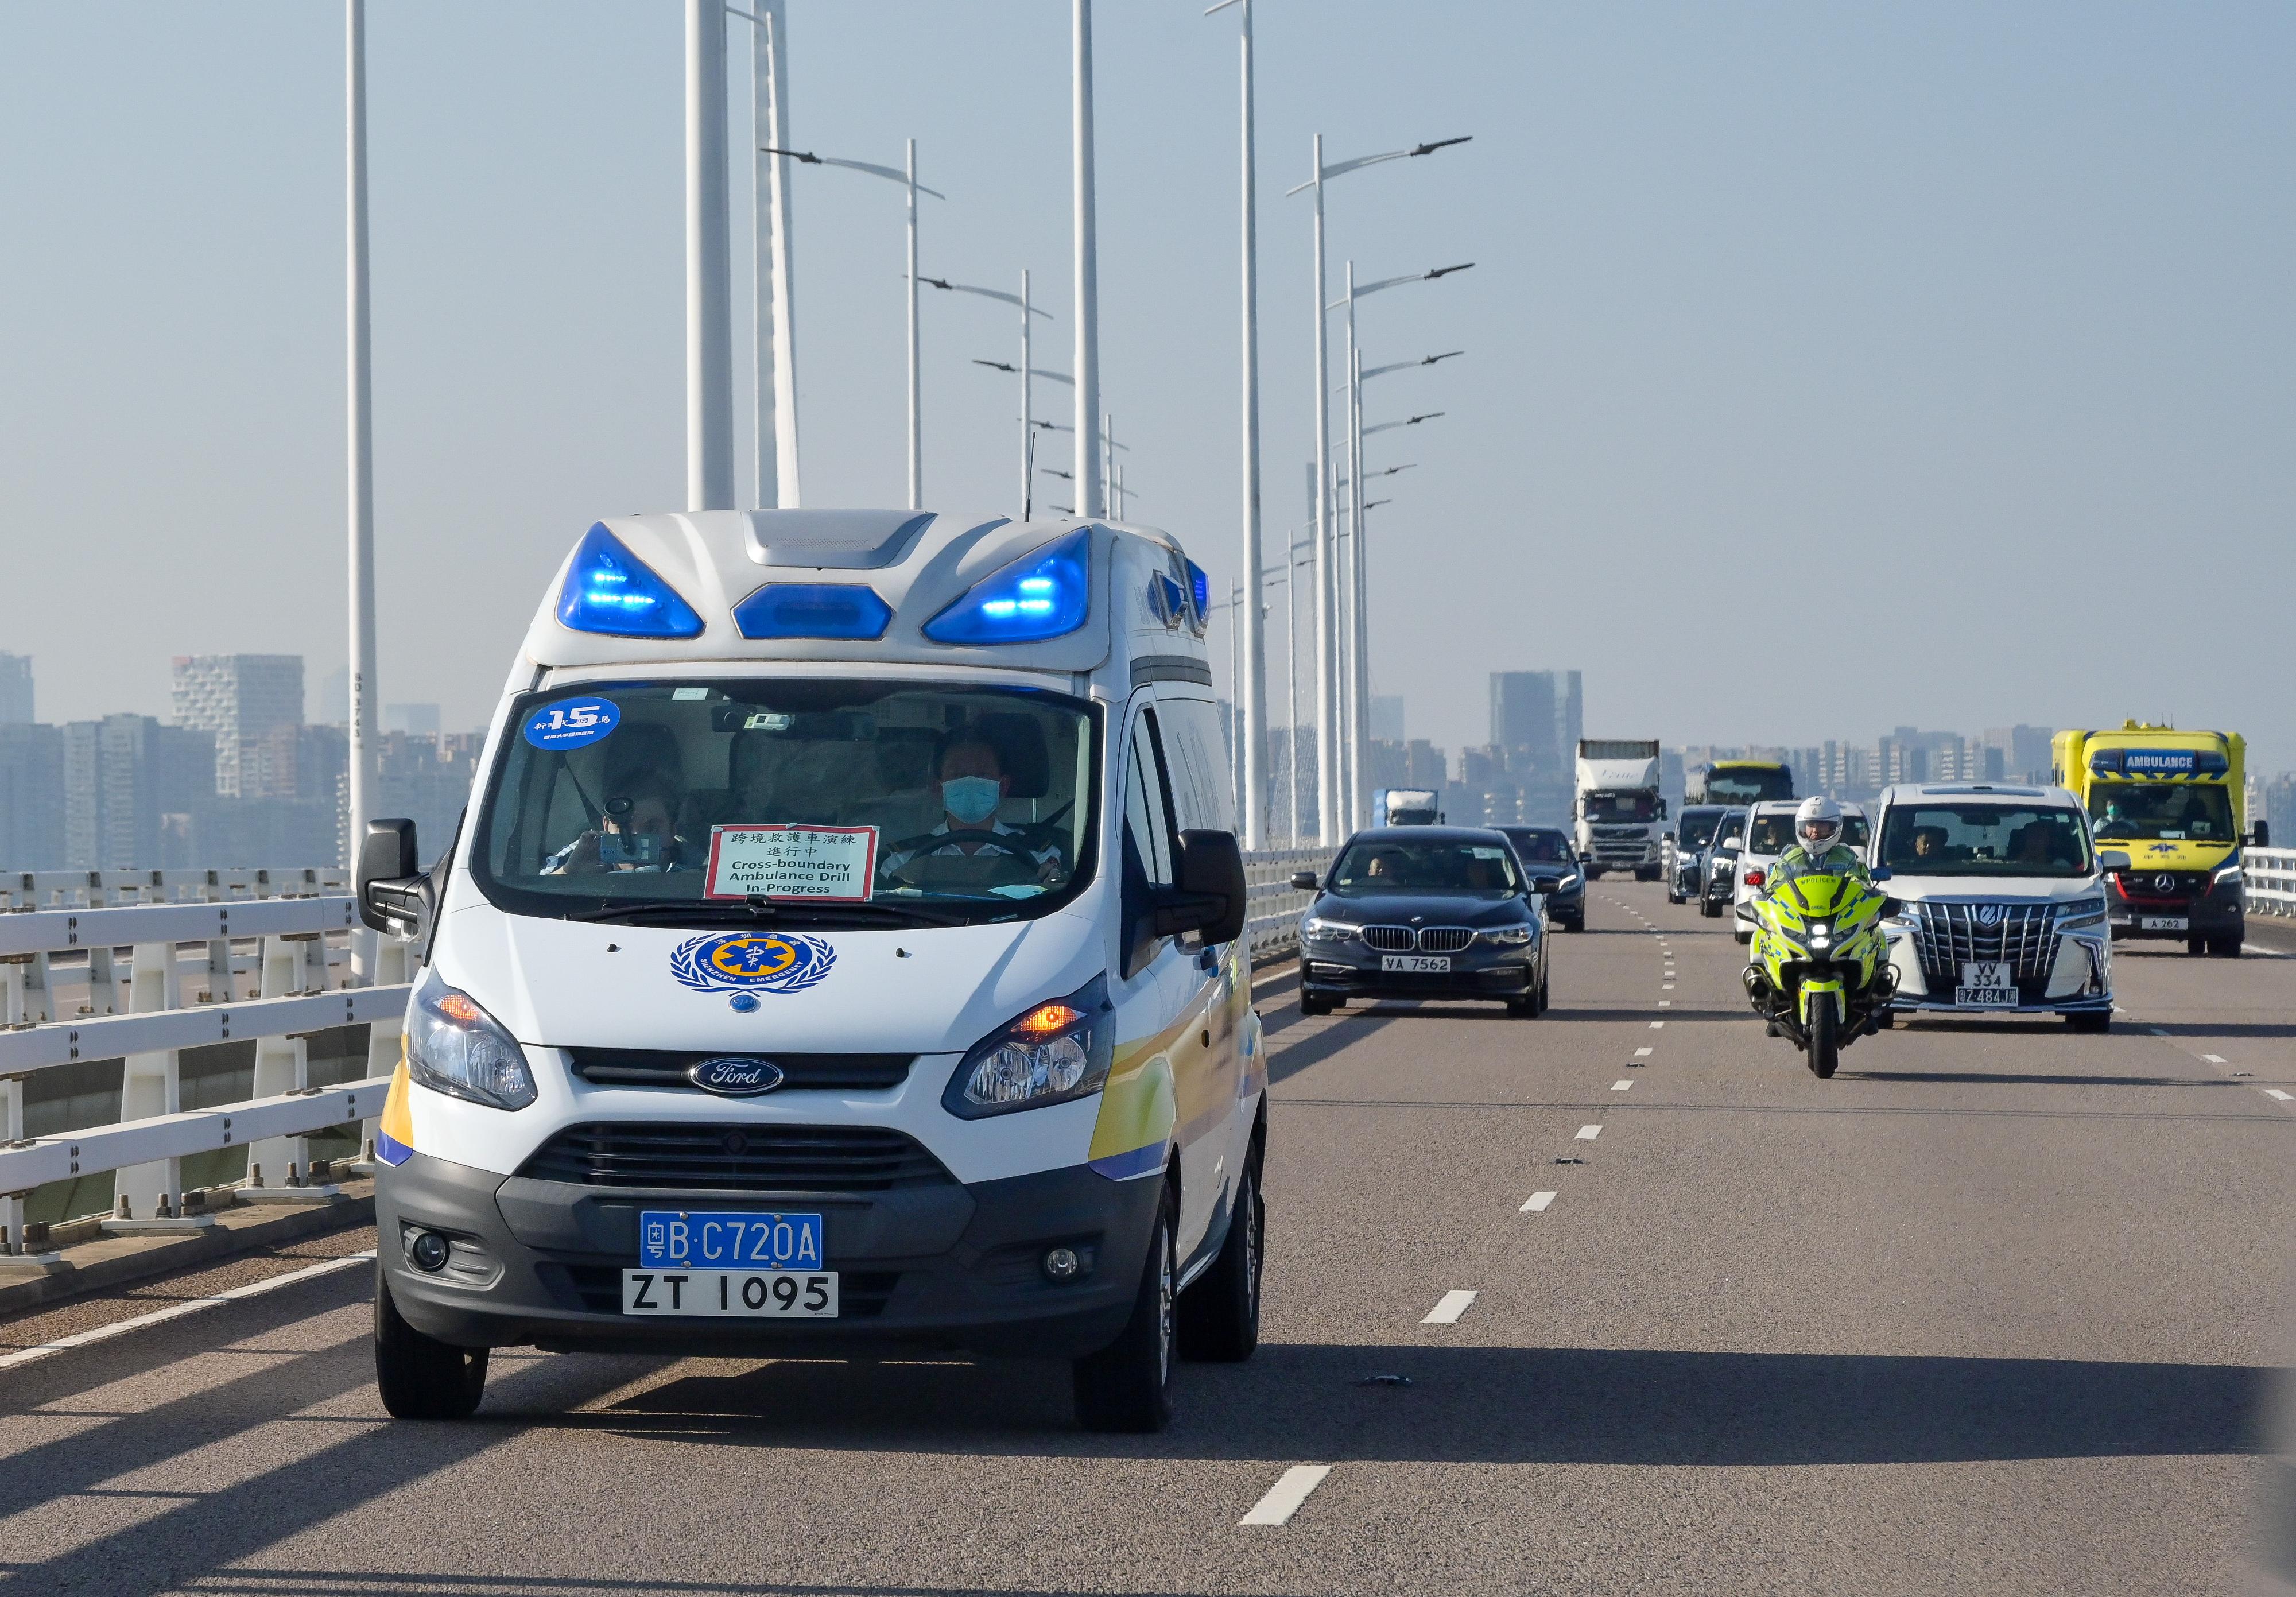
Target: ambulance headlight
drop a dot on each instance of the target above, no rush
(1056, 1052)
(1045, 593)
(453, 1046)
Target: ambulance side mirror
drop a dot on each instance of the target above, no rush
(394, 895)
(2261, 838)
(1208, 898)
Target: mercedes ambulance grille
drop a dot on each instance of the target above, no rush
(1953, 935)
(720, 1157)
(663, 1068)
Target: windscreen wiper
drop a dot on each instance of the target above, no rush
(768, 914)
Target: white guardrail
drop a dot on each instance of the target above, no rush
(75, 918)
(66, 929)
(2271, 887)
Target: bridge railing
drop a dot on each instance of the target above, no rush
(2271, 887)
(126, 935)
(302, 963)
(1273, 924)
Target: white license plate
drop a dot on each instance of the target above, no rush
(1987, 984)
(740, 1294)
(1422, 965)
(2165, 923)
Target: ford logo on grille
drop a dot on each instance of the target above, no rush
(1989, 916)
(735, 1077)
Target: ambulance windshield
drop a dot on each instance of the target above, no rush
(819, 802)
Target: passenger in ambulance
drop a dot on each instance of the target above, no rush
(971, 850)
(637, 832)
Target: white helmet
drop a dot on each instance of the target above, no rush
(1817, 824)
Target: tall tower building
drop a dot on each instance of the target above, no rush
(16, 690)
(242, 699)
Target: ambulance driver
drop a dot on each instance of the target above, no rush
(971, 850)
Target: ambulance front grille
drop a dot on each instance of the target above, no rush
(719, 1157)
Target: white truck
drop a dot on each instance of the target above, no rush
(1404, 806)
(1616, 817)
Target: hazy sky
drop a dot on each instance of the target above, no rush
(1830, 367)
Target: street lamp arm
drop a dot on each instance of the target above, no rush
(1052, 376)
(997, 365)
(1446, 271)
(806, 156)
(1430, 149)
(893, 173)
(967, 288)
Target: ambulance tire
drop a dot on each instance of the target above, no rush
(1127, 1385)
(2225, 947)
(420, 1377)
(1219, 1315)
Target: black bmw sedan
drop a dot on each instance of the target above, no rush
(1423, 911)
(1546, 854)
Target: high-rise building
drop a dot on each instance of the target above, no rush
(416, 720)
(1387, 717)
(242, 699)
(31, 798)
(1537, 720)
(16, 690)
(120, 775)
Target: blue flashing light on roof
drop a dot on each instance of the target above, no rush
(813, 610)
(1200, 588)
(612, 592)
(1045, 593)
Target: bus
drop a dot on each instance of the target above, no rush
(1738, 781)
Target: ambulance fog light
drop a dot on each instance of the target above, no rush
(428, 1252)
(1061, 1264)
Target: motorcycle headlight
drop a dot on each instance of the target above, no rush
(1507, 937)
(1819, 934)
(1316, 930)
(453, 1047)
(2231, 872)
(2080, 913)
(1056, 1052)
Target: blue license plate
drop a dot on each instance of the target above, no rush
(727, 1240)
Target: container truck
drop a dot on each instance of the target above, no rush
(1616, 814)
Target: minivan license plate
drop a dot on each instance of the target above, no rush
(677, 1239)
(1987, 984)
(758, 1294)
(1422, 965)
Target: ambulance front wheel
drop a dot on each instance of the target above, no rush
(1219, 1313)
(1127, 1385)
(420, 1377)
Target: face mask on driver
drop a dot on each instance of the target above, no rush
(972, 799)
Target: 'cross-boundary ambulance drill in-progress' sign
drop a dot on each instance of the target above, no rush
(834, 863)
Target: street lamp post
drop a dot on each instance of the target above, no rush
(1025, 370)
(1252, 709)
(1356, 671)
(1326, 664)
(773, 335)
(1091, 500)
(709, 266)
(907, 179)
(361, 442)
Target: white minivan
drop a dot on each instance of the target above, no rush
(1770, 833)
(841, 954)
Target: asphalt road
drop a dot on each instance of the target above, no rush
(1995, 1310)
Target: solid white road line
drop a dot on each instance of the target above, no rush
(1642, 1053)
(2214, 1058)
(1447, 1312)
(1620, 1086)
(1587, 1134)
(2276, 1092)
(175, 1310)
(1538, 1204)
(1285, 1496)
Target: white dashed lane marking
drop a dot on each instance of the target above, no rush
(1620, 1086)
(1658, 1026)
(2276, 1092)
(1447, 1312)
(1587, 1134)
(2214, 1058)
(1642, 1053)
(1537, 1203)
(1285, 1496)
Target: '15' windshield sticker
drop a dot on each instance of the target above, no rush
(572, 723)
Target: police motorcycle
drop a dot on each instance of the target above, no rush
(1819, 968)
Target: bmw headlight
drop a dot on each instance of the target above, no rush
(2080, 913)
(1316, 930)
(1056, 1052)
(453, 1047)
(1507, 937)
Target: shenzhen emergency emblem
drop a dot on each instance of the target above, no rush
(751, 961)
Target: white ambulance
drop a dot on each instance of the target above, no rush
(842, 953)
